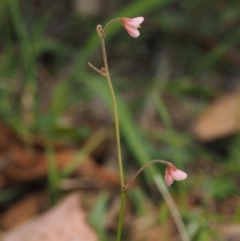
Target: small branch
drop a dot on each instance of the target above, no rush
(127, 186)
(106, 27)
(96, 69)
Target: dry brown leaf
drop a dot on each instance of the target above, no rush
(35, 166)
(19, 163)
(22, 211)
(65, 222)
(230, 231)
(220, 119)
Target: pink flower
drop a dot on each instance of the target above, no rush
(132, 25)
(172, 173)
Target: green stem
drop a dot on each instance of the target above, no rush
(127, 186)
(120, 219)
(115, 112)
(106, 27)
(116, 120)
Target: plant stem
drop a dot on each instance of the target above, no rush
(116, 120)
(115, 112)
(120, 219)
(106, 27)
(127, 186)
(96, 69)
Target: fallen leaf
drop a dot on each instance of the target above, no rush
(22, 211)
(65, 222)
(230, 231)
(220, 119)
(35, 166)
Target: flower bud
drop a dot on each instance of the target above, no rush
(132, 25)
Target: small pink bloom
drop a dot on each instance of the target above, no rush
(172, 173)
(132, 25)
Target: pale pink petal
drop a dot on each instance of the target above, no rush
(133, 32)
(132, 25)
(178, 175)
(134, 22)
(168, 178)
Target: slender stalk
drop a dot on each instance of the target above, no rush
(96, 69)
(106, 27)
(101, 34)
(115, 112)
(127, 186)
(120, 219)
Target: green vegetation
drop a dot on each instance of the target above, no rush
(188, 53)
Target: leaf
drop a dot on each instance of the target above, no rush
(65, 222)
(220, 119)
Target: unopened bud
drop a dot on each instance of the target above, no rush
(99, 28)
(103, 70)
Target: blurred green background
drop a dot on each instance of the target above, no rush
(187, 55)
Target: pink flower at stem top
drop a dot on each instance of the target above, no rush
(172, 173)
(132, 25)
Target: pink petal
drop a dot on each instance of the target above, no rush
(134, 22)
(133, 32)
(132, 25)
(168, 178)
(178, 175)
